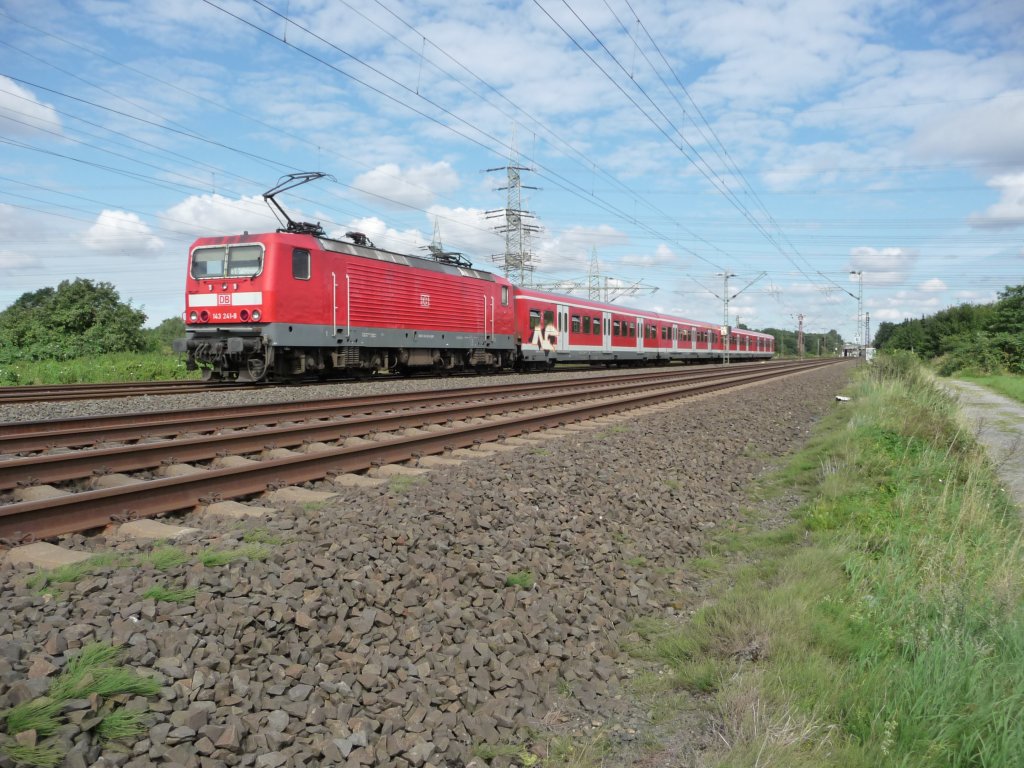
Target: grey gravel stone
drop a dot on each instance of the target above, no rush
(380, 630)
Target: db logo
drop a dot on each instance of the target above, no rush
(224, 298)
(424, 299)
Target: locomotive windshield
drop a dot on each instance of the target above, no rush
(227, 261)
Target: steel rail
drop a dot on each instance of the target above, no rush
(38, 393)
(93, 509)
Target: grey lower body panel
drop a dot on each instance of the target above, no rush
(319, 336)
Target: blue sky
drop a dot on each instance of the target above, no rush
(676, 141)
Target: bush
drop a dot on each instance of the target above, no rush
(79, 318)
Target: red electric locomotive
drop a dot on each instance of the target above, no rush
(296, 304)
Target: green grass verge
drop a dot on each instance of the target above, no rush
(120, 366)
(1011, 386)
(884, 627)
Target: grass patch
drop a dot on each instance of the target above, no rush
(261, 536)
(164, 558)
(90, 673)
(69, 574)
(93, 672)
(636, 562)
(402, 484)
(39, 715)
(1011, 386)
(887, 627)
(162, 594)
(41, 755)
(122, 724)
(213, 558)
(520, 579)
(517, 752)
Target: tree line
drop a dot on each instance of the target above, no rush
(974, 338)
(78, 318)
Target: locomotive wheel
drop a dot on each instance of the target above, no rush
(256, 368)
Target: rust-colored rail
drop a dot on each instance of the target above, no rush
(43, 393)
(91, 509)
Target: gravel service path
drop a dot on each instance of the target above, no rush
(383, 628)
(998, 424)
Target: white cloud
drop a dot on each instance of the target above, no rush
(20, 104)
(1009, 211)
(988, 131)
(121, 233)
(12, 260)
(881, 266)
(662, 255)
(383, 236)
(212, 215)
(933, 285)
(572, 248)
(468, 231)
(390, 186)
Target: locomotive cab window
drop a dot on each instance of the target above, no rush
(300, 264)
(215, 261)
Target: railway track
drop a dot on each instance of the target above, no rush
(43, 393)
(295, 442)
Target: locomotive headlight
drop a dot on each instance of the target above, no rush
(193, 316)
(256, 315)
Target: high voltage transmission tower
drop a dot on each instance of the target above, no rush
(517, 261)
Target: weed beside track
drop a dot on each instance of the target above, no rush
(882, 626)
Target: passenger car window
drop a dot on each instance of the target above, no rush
(504, 295)
(586, 324)
(534, 318)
